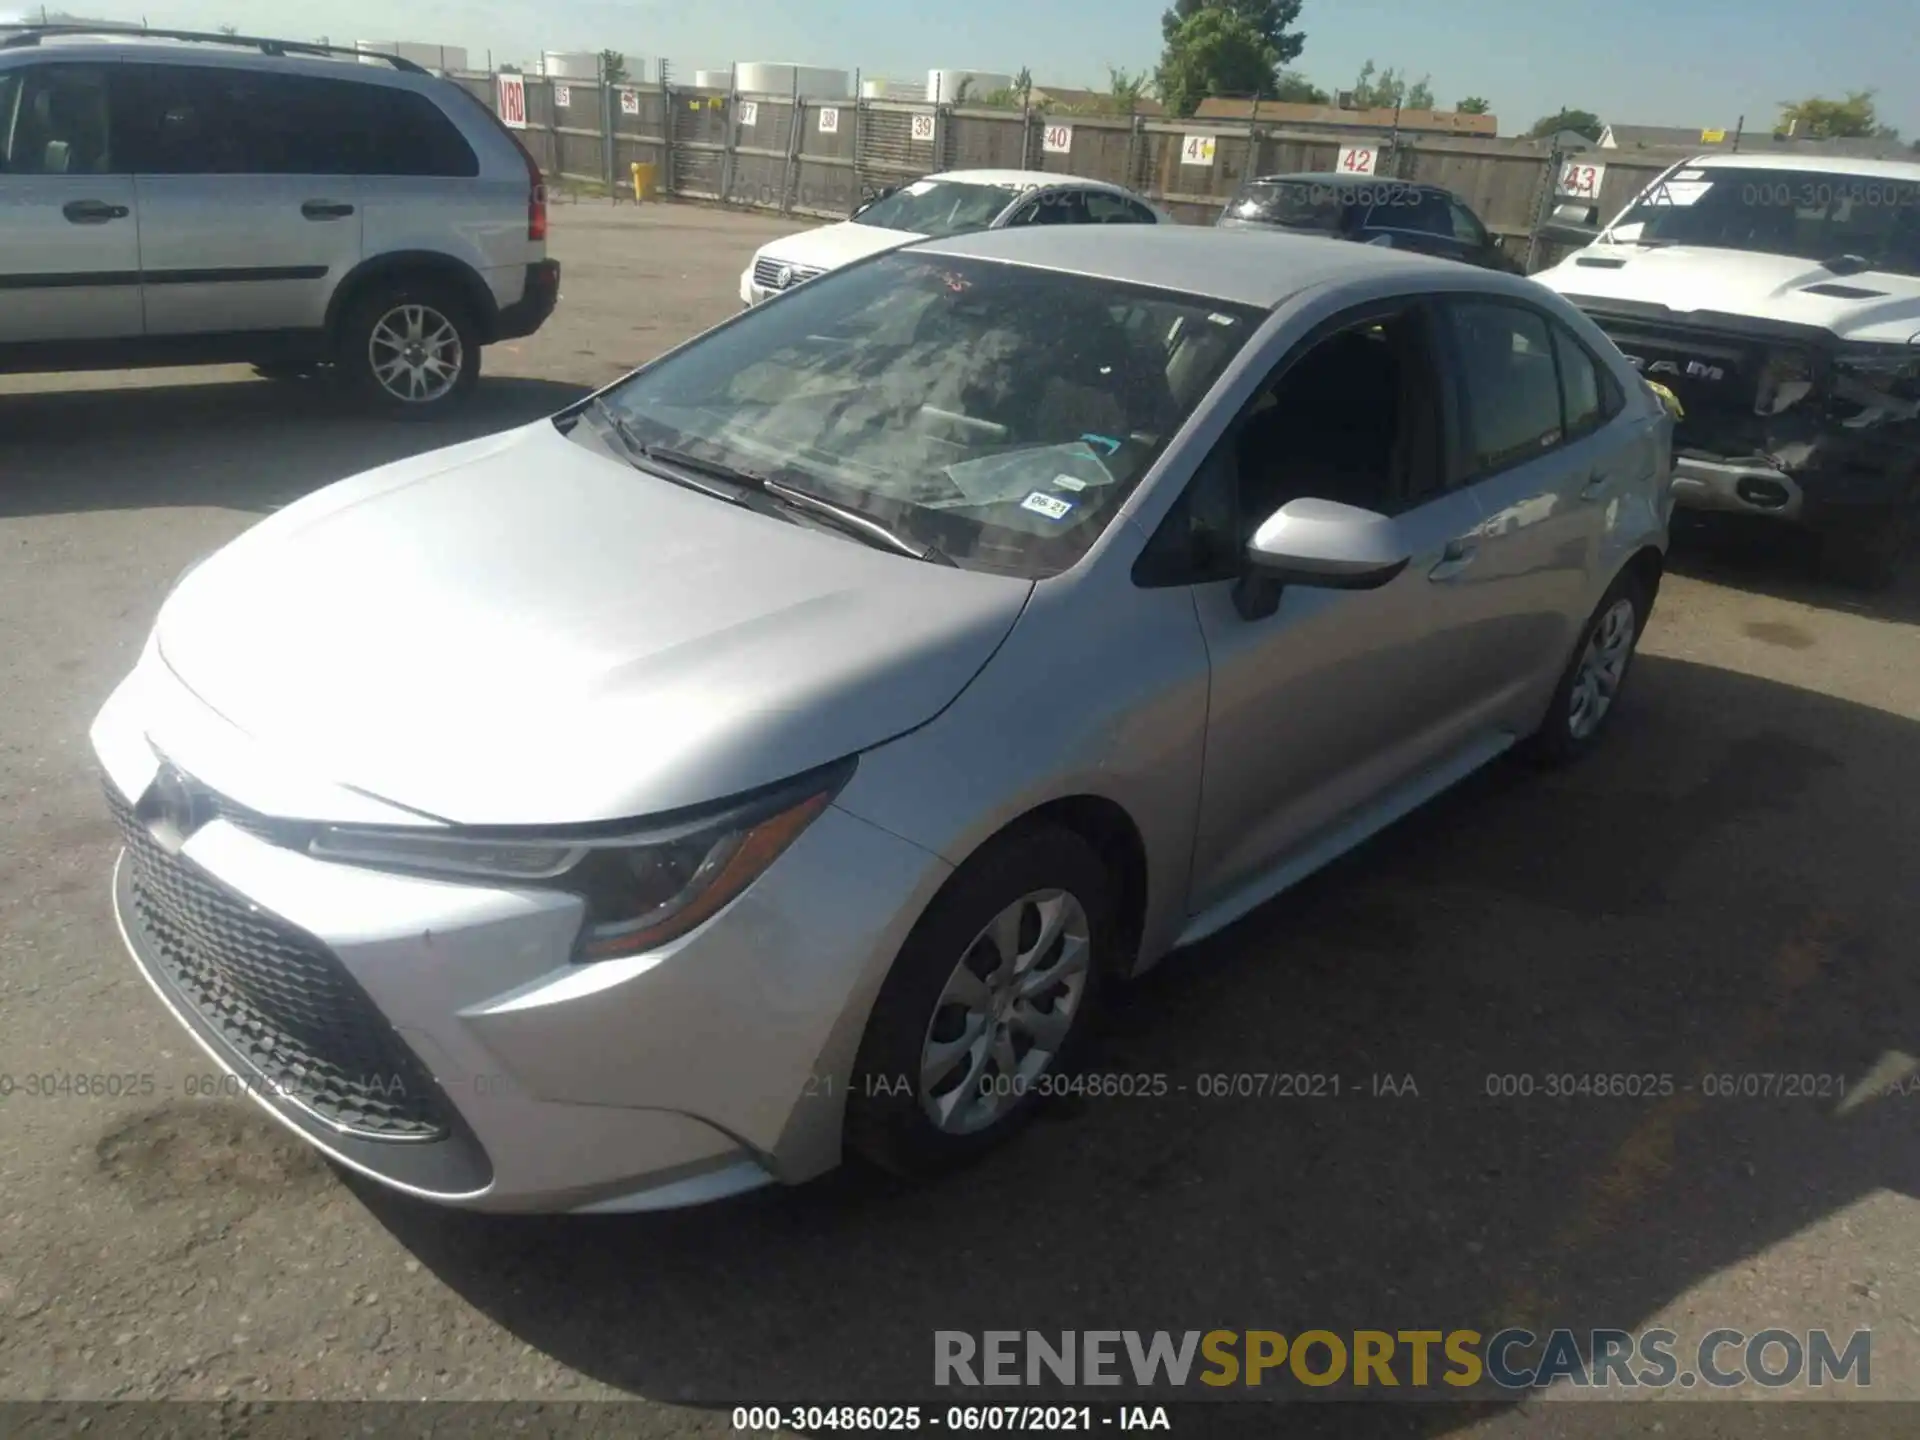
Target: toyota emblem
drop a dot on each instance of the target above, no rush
(783, 277)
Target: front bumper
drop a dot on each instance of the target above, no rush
(535, 306)
(1736, 487)
(715, 1064)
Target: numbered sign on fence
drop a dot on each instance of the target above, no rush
(829, 121)
(629, 102)
(1057, 140)
(513, 101)
(1197, 150)
(749, 114)
(563, 97)
(1580, 181)
(1357, 159)
(923, 128)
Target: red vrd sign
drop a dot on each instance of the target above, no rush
(513, 101)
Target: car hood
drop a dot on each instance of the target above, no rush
(521, 631)
(1873, 305)
(832, 246)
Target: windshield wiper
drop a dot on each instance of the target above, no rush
(848, 521)
(637, 450)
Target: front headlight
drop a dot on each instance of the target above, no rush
(642, 886)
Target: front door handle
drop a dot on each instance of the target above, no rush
(93, 212)
(1596, 486)
(1456, 557)
(326, 210)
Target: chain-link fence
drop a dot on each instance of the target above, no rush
(794, 155)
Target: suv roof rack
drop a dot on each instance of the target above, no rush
(18, 36)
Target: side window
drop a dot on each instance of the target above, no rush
(1061, 207)
(1105, 209)
(1354, 417)
(1580, 388)
(412, 136)
(1421, 211)
(1467, 228)
(1510, 387)
(61, 124)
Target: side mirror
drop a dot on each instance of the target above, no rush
(1321, 543)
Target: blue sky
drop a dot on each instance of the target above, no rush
(1661, 62)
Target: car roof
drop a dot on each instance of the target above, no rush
(1024, 178)
(242, 52)
(1257, 268)
(1832, 164)
(1331, 178)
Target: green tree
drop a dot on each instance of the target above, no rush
(1272, 20)
(1822, 119)
(1388, 88)
(1582, 122)
(227, 29)
(1473, 105)
(1297, 89)
(613, 67)
(1126, 89)
(1215, 51)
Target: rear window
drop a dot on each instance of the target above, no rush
(1296, 204)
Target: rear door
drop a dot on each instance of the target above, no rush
(1543, 470)
(249, 195)
(69, 238)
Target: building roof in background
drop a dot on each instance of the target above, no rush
(1687, 137)
(1289, 112)
(1091, 100)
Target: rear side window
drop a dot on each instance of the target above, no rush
(1105, 209)
(1422, 211)
(1580, 385)
(202, 120)
(1511, 389)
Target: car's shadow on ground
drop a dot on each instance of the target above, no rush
(1779, 560)
(239, 444)
(1627, 917)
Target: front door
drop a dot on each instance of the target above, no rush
(1337, 698)
(249, 201)
(69, 237)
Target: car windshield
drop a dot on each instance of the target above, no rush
(940, 207)
(1296, 204)
(1810, 214)
(996, 412)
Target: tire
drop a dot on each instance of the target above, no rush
(1869, 552)
(431, 379)
(1586, 698)
(1040, 876)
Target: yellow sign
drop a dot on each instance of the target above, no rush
(1712, 137)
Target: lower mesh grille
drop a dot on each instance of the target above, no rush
(284, 1004)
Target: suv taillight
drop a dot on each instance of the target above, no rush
(536, 195)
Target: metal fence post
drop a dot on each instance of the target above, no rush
(733, 134)
(1542, 204)
(793, 149)
(669, 180)
(859, 123)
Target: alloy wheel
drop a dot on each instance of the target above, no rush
(1005, 1012)
(1603, 664)
(415, 353)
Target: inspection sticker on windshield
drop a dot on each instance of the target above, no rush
(1051, 506)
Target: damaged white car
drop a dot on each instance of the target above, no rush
(1778, 296)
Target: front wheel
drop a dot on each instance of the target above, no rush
(986, 1006)
(1589, 690)
(410, 349)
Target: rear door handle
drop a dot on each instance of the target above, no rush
(93, 212)
(1456, 557)
(326, 210)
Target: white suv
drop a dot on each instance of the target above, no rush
(171, 198)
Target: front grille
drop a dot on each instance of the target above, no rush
(766, 274)
(280, 999)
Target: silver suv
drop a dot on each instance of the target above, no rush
(171, 198)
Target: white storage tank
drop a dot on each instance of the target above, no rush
(431, 57)
(573, 64)
(712, 79)
(891, 90)
(949, 86)
(813, 82)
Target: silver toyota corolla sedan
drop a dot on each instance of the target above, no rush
(776, 753)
